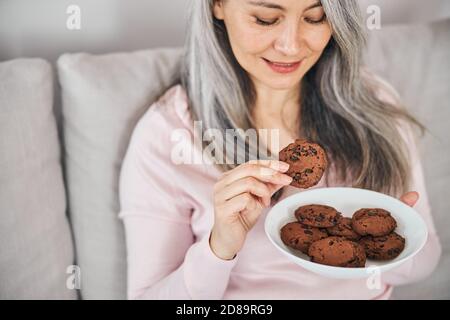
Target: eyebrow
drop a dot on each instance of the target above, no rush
(270, 5)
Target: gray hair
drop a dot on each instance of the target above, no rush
(361, 135)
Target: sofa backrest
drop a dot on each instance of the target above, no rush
(415, 60)
(104, 96)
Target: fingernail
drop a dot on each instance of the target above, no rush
(287, 179)
(283, 166)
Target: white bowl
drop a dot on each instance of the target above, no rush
(410, 225)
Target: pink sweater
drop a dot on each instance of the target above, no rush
(168, 212)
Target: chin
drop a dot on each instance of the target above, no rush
(282, 84)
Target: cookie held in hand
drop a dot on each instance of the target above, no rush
(308, 162)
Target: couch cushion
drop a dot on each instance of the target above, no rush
(36, 246)
(103, 98)
(414, 59)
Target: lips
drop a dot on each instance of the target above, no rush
(283, 67)
(283, 64)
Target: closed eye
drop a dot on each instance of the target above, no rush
(312, 21)
(264, 22)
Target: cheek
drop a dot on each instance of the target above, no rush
(246, 39)
(317, 39)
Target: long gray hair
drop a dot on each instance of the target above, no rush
(340, 108)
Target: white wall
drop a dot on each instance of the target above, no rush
(38, 27)
(410, 11)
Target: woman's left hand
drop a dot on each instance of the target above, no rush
(410, 198)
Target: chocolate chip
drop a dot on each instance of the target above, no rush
(320, 217)
(391, 252)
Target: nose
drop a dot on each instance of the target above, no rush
(288, 42)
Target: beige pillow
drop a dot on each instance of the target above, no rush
(35, 241)
(103, 98)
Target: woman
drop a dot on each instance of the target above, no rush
(289, 65)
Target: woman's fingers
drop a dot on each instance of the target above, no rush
(247, 184)
(239, 197)
(274, 188)
(241, 202)
(274, 164)
(259, 171)
(410, 198)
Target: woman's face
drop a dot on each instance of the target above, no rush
(263, 32)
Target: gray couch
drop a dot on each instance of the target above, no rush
(64, 132)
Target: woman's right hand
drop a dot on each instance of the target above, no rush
(239, 198)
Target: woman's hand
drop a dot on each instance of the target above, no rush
(239, 198)
(410, 198)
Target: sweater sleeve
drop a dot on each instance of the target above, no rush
(424, 262)
(164, 259)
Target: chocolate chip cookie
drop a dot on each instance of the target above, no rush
(344, 229)
(384, 247)
(317, 215)
(308, 162)
(338, 252)
(300, 237)
(373, 221)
